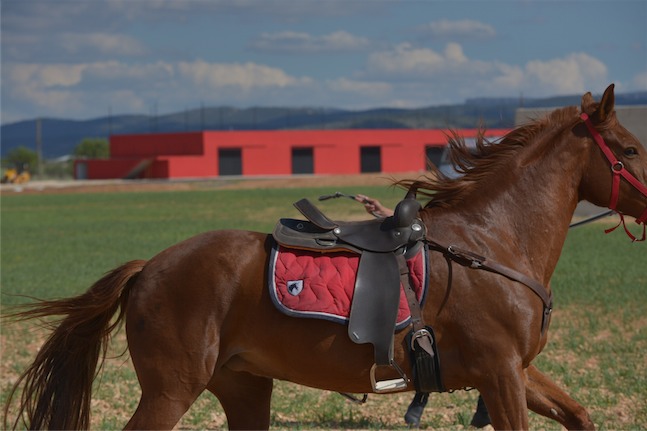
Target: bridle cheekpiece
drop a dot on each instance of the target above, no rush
(618, 170)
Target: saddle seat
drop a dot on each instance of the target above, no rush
(378, 235)
(383, 245)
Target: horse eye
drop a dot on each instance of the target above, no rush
(631, 151)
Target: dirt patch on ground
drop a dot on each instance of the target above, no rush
(112, 186)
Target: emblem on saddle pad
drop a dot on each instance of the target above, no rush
(294, 287)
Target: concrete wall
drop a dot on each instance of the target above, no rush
(634, 118)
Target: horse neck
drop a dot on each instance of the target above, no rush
(527, 206)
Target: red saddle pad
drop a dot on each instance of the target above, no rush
(311, 284)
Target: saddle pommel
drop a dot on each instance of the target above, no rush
(406, 211)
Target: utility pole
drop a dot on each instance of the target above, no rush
(39, 147)
(109, 121)
(201, 115)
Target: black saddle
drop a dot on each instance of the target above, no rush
(383, 245)
(378, 235)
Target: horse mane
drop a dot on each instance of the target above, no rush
(474, 166)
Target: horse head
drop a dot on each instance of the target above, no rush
(616, 172)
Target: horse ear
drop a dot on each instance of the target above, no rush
(606, 104)
(587, 102)
(599, 112)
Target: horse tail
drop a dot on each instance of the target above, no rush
(58, 385)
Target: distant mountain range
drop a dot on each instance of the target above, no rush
(60, 136)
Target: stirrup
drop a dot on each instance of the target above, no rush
(393, 385)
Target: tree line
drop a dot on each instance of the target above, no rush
(24, 158)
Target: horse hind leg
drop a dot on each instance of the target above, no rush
(547, 399)
(169, 388)
(160, 410)
(173, 361)
(244, 397)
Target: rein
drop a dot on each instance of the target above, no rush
(618, 170)
(592, 218)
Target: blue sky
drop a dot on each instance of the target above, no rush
(83, 59)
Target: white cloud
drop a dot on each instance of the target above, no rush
(102, 43)
(574, 73)
(465, 28)
(454, 53)
(201, 73)
(404, 75)
(49, 76)
(405, 59)
(243, 76)
(298, 42)
(46, 75)
(508, 76)
(408, 61)
(61, 89)
(125, 74)
(452, 68)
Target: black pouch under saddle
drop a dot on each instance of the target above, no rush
(426, 368)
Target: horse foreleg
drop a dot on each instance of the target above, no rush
(505, 398)
(547, 399)
(244, 397)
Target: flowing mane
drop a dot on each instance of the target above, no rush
(474, 166)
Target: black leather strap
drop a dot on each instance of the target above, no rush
(414, 306)
(313, 214)
(475, 261)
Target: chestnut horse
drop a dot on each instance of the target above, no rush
(199, 316)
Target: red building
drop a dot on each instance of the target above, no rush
(276, 152)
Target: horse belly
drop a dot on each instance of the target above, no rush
(309, 352)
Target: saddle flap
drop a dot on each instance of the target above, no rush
(374, 308)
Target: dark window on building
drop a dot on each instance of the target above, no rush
(81, 171)
(371, 159)
(434, 155)
(303, 161)
(230, 161)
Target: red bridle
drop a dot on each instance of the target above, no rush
(618, 170)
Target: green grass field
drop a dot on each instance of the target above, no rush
(55, 245)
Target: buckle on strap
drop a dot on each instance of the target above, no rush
(425, 341)
(422, 333)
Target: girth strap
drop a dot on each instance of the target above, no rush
(414, 308)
